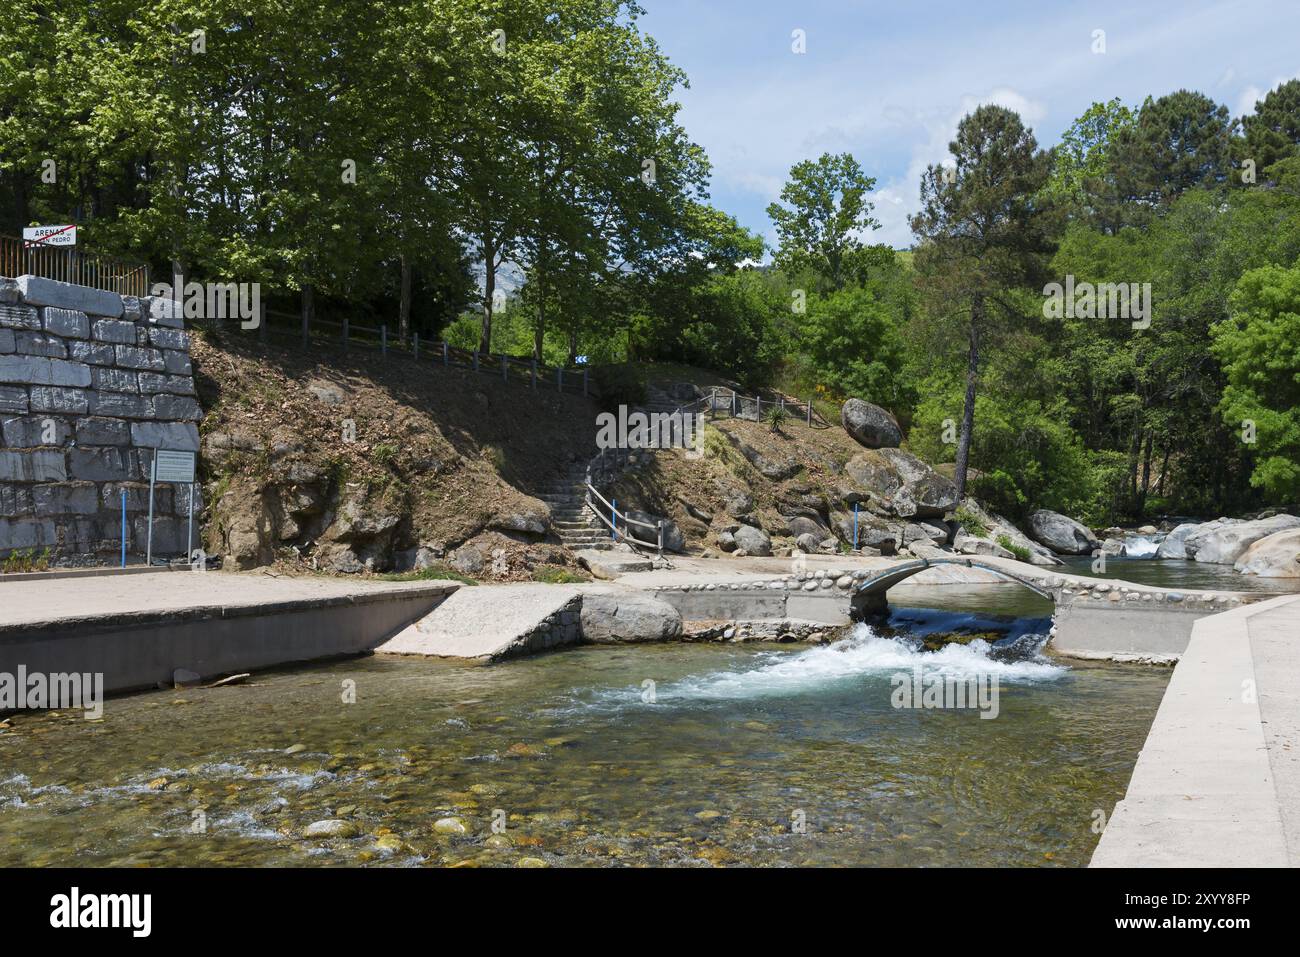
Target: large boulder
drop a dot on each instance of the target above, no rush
(1273, 556)
(804, 525)
(754, 541)
(1223, 544)
(909, 487)
(1175, 543)
(870, 425)
(628, 617)
(1061, 533)
(674, 540)
(965, 544)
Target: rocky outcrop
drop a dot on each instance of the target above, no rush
(870, 425)
(1223, 541)
(1060, 533)
(1273, 556)
(965, 544)
(674, 540)
(898, 483)
(628, 617)
(1174, 545)
(753, 541)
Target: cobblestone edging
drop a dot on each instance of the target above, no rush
(561, 627)
(90, 383)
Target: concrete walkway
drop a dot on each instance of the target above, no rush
(1218, 781)
(492, 622)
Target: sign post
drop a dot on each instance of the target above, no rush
(171, 465)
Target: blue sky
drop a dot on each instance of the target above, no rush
(889, 81)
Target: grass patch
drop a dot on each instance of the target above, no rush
(1021, 553)
(438, 571)
(555, 575)
(971, 524)
(26, 560)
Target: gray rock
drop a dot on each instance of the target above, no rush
(39, 344)
(134, 357)
(630, 617)
(754, 541)
(66, 498)
(870, 425)
(100, 431)
(1223, 544)
(1060, 533)
(1114, 546)
(152, 383)
(115, 331)
(40, 465)
(22, 432)
(66, 322)
(531, 521)
(95, 353)
(19, 317)
(972, 545)
(48, 398)
(801, 525)
(1175, 543)
(38, 370)
(674, 540)
(165, 435)
(8, 343)
(180, 408)
(727, 540)
(163, 338)
(27, 533)
(115, 380)
(738, 503)
(1273, 556)
(177, 363)
(37, 291)
(9, 292)
(467, 559)
(120, 405)
(101, 464)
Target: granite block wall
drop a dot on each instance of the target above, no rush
(91, 383)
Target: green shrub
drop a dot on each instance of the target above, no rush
(775, 417)
(1021, 553)
(971, 524)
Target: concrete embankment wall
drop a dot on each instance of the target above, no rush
(759, 601)
(137, 650)
(90, 384)
(1094, 630)
(1214, 785)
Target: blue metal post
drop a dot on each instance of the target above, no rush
(855, 525)
(613, 507)
(123, 528)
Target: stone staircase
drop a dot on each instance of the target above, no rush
(656, 400)
(573, 521)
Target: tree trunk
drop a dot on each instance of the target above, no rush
(489, 290)
(573, 347)
(308, 309)
(1146, 473)
(404, 306)
(968, 407)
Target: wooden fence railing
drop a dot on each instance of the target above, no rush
(82, 267)
(348, 335)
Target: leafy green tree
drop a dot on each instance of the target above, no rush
(826, 210)
(983, 236)
(1085, 147)
(1260, 350)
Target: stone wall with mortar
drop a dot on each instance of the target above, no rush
(91, 383)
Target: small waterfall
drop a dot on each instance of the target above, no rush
(1142, 546)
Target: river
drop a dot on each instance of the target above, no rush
(679, 754)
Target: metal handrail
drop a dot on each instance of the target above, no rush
(658, 546)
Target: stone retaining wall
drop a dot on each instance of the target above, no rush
(90, 384)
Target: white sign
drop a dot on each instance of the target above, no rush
(174, 466)
(50, 235)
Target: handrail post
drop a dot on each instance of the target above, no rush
(733, 403)
(446, 360)
(659, 526)
(810, 411)
(613, 528)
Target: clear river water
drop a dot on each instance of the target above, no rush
(681, 754)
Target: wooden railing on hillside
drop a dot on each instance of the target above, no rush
(71, 264)
(720, 402)
(347, 335)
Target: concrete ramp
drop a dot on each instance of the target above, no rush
(492, 622)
